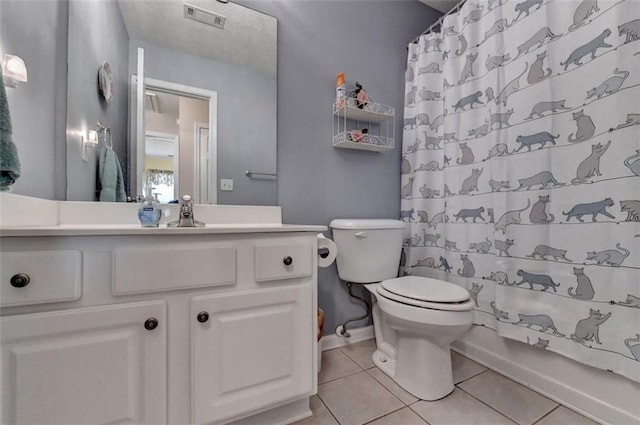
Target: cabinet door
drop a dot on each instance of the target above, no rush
(253, 351)
(97, 365)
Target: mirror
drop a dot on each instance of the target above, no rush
(182, 92)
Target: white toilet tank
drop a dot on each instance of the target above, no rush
(368, 250)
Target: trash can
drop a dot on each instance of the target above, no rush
(320, 334)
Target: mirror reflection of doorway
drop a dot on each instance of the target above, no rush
(161, 166)
(179, 149)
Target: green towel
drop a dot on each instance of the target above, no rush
(110, 179)
(9, 161)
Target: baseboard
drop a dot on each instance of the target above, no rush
(283, 414)
(599, 395)
(329, 342)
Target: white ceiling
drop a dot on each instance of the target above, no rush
(248, 37)
(442, 5)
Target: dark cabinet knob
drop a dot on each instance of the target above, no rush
(20, 280)
(151, 324)
(287, 260)
(203, 316)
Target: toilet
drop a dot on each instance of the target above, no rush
(415, 319)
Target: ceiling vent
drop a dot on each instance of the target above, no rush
(203, 16)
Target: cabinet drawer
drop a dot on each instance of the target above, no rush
(283, 260)
(53, 276)
(149, 269)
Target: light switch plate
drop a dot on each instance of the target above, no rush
(226, 185)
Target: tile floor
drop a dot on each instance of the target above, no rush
(352, 391)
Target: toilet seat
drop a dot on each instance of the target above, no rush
(425, 293)
(460, 306)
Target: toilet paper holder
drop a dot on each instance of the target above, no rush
(327, 251)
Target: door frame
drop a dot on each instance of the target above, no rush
(193, 92)
(196, 169)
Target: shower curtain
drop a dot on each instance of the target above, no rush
(521, 171)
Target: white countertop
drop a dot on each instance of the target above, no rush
(26, 216)
(136, 229)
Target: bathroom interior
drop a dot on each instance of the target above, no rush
(320, 212)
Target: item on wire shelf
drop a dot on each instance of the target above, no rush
(341, 90)
(361, 96)
(358, 136)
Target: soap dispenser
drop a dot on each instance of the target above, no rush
(149, 213)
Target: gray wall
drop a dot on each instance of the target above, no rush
(37, 32)
(317, 183)
(96, 34)
(246, 116)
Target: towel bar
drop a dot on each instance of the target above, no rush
(250, 174)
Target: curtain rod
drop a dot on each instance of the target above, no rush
(439, 21)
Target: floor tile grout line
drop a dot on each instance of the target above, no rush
(351, 358)
(525, 385)
(386, 414)
(489, 406)
(473, 376)
(328, 410)
(339, 377)
(346, 354)
(390, 392)
(385, 387)
(342, 351)
(414, 411)
(518, 383)
(547, 414)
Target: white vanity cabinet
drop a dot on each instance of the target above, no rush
(96, 365)
(250, 351)
(165, 329)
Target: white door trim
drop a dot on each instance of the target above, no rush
(199, 93)
(196, 169)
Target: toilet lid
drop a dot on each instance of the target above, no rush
(425, 289)
(457, 306)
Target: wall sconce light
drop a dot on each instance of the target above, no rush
(89, 140)
(14, 70)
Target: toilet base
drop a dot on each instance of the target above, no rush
(427, 380)
(384, 363)
(413, 345)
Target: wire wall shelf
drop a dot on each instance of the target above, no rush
(370, 127)
(369, 142)
(371, 112)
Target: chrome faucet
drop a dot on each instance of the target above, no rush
(186, 218)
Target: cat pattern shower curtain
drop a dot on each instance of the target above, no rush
(521, 171)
